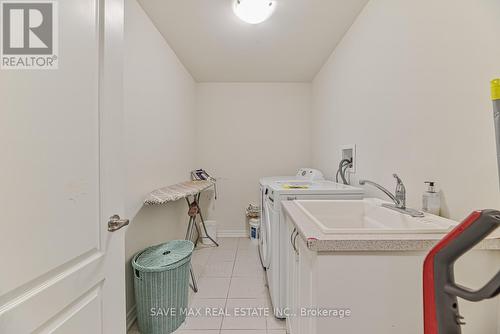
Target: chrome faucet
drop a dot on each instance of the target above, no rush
(399, 198)
(400, 193)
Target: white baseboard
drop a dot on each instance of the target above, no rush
(131, 316)
(232, 233)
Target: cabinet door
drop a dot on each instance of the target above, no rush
(292, 282)
(289, 265)
(305, 273)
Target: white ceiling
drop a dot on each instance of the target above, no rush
(216, 46)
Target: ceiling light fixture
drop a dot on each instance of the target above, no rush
(254, 11)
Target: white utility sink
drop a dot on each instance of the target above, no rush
(367, 216)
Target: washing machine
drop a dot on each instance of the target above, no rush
(273, 236)
(302, 175)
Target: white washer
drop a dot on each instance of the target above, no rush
(274, 231)
(303, 174)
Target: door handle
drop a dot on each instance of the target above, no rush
(295, 242)
(115, 223)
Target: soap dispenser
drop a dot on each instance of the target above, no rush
(431, 201)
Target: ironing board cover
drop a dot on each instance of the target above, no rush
(176, 192)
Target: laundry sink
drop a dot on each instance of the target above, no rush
(367, 216)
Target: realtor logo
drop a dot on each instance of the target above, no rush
(29, 35)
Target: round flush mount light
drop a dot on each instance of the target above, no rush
(254, 11)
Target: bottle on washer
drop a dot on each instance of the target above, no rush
(431, 200)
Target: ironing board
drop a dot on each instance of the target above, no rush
(177, 192)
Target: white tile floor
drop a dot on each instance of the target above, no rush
(229, 277)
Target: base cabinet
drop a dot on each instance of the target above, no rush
(375, 292)
(299, 284)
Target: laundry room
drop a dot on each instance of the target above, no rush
(250, 166)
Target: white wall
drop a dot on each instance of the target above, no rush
(159, 113)
(247, 131)
(409, 84)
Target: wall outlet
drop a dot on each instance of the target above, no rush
(349, 152)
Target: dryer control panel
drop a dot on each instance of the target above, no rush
(310, 174)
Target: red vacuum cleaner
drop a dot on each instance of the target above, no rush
(441, 312)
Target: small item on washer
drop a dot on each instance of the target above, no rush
(292, 185)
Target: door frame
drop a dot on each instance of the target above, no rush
(112, 171)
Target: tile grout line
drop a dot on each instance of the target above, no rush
(230, 282)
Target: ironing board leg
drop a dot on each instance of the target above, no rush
(189, 235)
(193, 278)
(198, 233)
(197, 198)
(189, 231)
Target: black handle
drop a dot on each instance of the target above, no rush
(490, 290)
(440, 290)
(471, 236)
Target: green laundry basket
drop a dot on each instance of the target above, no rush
(161, 281)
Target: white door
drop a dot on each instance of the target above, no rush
(61, 270)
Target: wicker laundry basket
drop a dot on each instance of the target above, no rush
(161, 281)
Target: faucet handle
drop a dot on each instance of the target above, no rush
(400, 192)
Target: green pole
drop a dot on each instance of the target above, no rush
(495, 96)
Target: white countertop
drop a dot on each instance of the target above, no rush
(318, 241)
